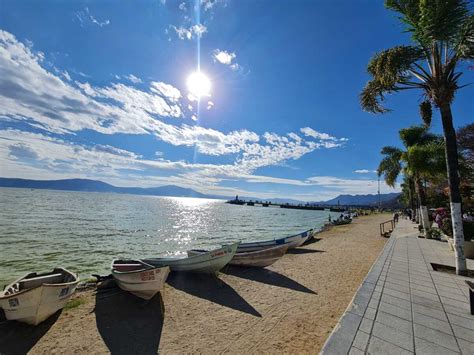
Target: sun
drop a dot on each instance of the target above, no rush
(199, 84)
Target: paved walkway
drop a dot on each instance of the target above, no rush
(404, 306)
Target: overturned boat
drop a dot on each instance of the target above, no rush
(139, 278)
(35, 297)
(206, 262)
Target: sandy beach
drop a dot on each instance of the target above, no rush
(290, 307)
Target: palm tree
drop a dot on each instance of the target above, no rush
(443, 36)
(421, 160)
(408, 194)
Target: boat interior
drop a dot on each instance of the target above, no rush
(32, 280)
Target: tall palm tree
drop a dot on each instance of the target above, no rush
(443, 36)
(408, 192)
(421, 160)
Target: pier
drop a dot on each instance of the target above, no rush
(307, 206)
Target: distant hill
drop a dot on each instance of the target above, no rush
(99, 186)
(360, 200)
(87, 185)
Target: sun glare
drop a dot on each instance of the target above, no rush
(199, 84)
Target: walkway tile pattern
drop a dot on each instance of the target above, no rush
(405, 307)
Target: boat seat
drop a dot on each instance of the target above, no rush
(128, 265)
(39, 280)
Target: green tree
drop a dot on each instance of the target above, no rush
(442, 33)
(421, 160)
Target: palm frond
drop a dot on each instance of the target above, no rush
(389, 69)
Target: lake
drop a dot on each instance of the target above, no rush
(84, 231)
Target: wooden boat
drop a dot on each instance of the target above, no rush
(208, 262)
(259, 258)
(35, 297)
(340, 222)
(293, 241)
(139, 278)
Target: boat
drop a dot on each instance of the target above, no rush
(298, 240)
(208, 262)
(35, 297)
(340, 222)
(259, 258)
(293, 241)
(139, 278)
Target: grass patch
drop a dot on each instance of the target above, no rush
(74, 303)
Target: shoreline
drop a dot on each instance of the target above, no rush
(292, 306)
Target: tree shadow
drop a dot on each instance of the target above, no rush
(303, 251)
(268, 277)
(128, 324)
(20, 338)
(211, 288)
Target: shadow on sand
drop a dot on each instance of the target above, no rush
(267, 277)
(303, 251)
(211, 288)
(20, 338)
(311, 241)
(128, 324)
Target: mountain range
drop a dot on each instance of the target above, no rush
(87, 185)
(362, 200)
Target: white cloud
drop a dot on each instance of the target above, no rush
(134, 79)
(350, 186)
(182, 6)
(195, 31)
(309, 132)
(166, 90)
(364, 171)
(226, 58)
(210, 105)
(223, 57)
(208, 5)
(85, 17)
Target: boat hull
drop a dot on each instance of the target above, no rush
(35, 305)
(259, 258)
(293, 241)
(209, 262)
(143, 283)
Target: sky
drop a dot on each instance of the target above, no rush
(100, 90)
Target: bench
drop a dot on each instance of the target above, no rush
(471, 295)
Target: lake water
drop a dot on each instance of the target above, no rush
(82, 231)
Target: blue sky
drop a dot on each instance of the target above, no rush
(99, 90)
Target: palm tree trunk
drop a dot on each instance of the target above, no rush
(412, 199)
(451, 152)
(423, 209)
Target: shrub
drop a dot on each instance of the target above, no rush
(433, 233)
(468, 228)
(446, 227)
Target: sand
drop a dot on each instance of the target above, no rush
(290, 307)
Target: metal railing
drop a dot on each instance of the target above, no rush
(386, 228)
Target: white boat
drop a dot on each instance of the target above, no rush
(259, 258)
(139, 278)
(294, 241)
(298, 240)
(208, 262)
(35, 297)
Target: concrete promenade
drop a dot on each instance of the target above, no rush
(404, 306)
